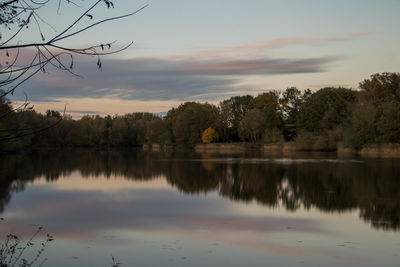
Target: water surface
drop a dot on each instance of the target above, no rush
(189, 209)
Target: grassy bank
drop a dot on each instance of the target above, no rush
(378, 151)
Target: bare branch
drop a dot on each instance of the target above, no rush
(97, 23)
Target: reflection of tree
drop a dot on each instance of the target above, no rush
(370, 186)
(9, 169)
(192, 176)
(253, 181)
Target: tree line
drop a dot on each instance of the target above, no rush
(319, 120)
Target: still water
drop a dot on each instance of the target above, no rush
(188, 209)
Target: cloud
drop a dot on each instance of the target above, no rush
(254, 48)
(206, 75)
(81, 111)
(183, 78)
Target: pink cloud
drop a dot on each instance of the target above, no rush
(257, 46)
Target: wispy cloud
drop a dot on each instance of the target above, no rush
(165, 78)
(254, 48)
(206, 75)
(82, 112)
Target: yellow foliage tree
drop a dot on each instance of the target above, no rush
(209, 135)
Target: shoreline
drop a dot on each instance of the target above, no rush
(277, 149)
(372, 151)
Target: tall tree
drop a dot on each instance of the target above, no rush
(232, 111)
(325, 109)
(376, 117)
(252, 126)
(290, 103)
(268, 103)
(190, 120)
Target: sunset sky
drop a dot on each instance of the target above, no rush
(212, 50)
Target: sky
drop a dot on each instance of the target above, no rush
(212, 50)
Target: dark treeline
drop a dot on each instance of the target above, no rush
(318, 120)
(329, 184)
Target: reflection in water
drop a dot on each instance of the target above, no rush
(330, 185)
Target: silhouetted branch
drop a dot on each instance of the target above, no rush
(16, 73)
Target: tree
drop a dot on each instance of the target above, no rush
(361, 129)
(290, 103)
(157, 132)
(381, 89)
(17, 124)
(376, 117)
(325, 109)
(388, 125)
(209, 135)
(268, 103)
(53, 113)
(189, 120)
(253, 126)
(231, 113)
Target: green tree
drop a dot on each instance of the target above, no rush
(376, 117)
(232, 111)
(252, 126)
(325, 109)
(380, 89)
(189, 121)
(268, 103)
(53, 113)
(89, 131)
(388, 124)
(290, 103)
(157, 131)
(361, 129)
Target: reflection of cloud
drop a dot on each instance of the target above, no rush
(107, 185)
(81, 215)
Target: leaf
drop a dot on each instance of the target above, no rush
(102, 47)
(99, 64)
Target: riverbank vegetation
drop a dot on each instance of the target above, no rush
(324, 120)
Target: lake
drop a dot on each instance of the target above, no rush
(181, 208)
